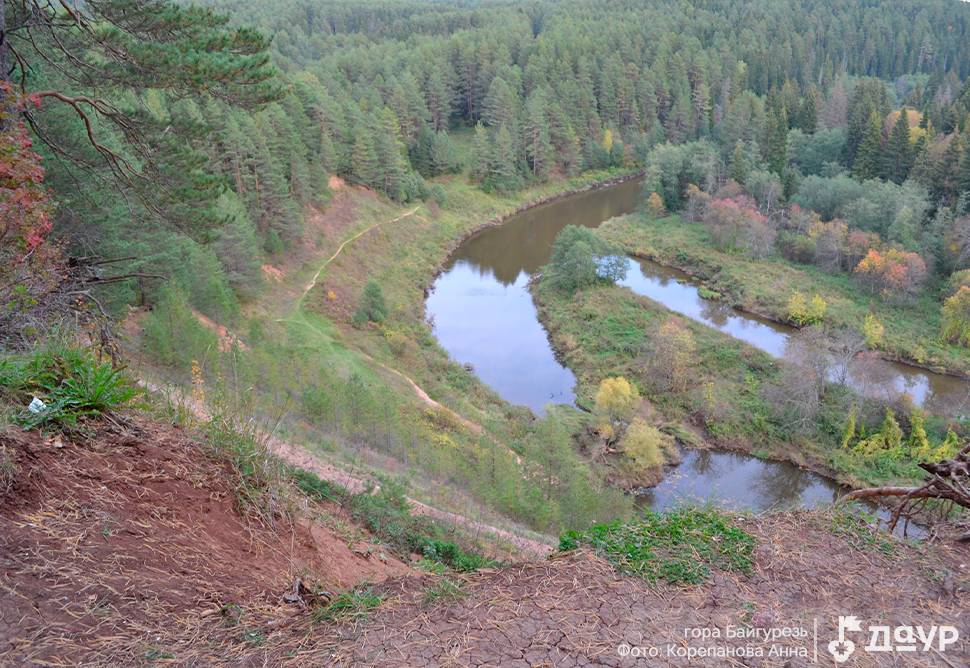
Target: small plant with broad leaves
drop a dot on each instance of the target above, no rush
(59, 386)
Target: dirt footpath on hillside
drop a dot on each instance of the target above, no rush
(573, 610)
(127, 549)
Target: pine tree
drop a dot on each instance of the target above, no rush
(101, 58)
(501, 104)
(944, 175)
(421, 152)
(444, 155)
(503, 174)
(482, 157)
(808, 113)
(364, 162)
(739, 172)
(777, 154)
(438, 96)
(537, 144)
(869, 156)
(898, 156)
(963, 176)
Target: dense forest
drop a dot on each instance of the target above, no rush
(794, 103)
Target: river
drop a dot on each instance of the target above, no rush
(483, 315)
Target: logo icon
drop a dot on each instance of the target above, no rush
(842, 649)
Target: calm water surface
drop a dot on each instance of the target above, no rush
(483, 315)
(482, 312)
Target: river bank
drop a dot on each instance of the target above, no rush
(763, 288)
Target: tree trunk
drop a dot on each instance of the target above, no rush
(4, 69)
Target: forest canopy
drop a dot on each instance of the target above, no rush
(240, 121)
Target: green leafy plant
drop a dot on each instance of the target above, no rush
(679, 546)
(386, 512)
(353, 604)
(70, 382)
(444, 591)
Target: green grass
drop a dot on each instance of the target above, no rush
(353, 605)
(912, 331)
(678, 547)
(854, 525)
(444, 591)
(387, 514)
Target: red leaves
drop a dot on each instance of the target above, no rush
(896, 272)
(25, 206)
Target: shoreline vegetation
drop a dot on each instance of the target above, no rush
(717, 272)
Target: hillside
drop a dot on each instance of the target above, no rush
(484, 333)
(126, 547)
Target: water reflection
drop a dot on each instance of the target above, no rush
(739, 480)
(483, 314)
(871, 376)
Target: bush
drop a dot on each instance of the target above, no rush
(873, 331)
(655, 208)
(373, 306)
(802, 313)
(646, 447)
(955, 316)
(616, 402)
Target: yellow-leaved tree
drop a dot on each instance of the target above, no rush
(645, 446)
(616, 402)
(955, 316)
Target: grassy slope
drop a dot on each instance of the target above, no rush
(765, 286)
(404, 256)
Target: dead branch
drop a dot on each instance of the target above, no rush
(949, 481)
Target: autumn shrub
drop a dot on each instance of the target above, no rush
(670, 356)
(616, 402)
(30, 266)
(654, 208)
(698, 203)
(646, 448)
(873, 331)
(735, 224)
(955, 317)
(896, 274)
(956, 281)
(802, 312)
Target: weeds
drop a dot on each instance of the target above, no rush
(70, 382)
(353, 604)
(8, 470)
(855, 526)
(259, 475)
(444, 591)
(387, 514)
(679, 546)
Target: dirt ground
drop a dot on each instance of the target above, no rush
(118, 546)
(127, 548)
(573, 610)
